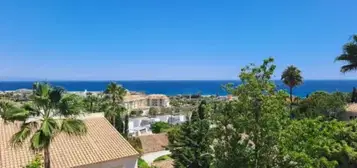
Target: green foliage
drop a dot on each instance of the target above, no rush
(142, 164)
(349, 56)
(159, 127)
(92, 103)
(190, 145)
(162, 158)
(153, 111)
(36, 162)
(126, 126)
(202, 110)
(319, 143)
(135, 113)
(322, 104)
(112, 107)
(291, 77)
(247, 129)
(354, 95)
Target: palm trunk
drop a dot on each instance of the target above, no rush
(114, 122)
(47, 157)
(291, 99)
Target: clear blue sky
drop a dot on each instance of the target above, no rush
(171, 39)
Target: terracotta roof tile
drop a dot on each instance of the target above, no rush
(102, 143)
(154, 142)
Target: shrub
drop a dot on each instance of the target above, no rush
(162, 158)
(142, 164)
(159, 127)
(36, 162)
(153, 111)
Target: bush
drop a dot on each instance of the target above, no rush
(35, 163)
(153, 111)
(136, 113)
(162, 158)
(159, 127)
(142, 164)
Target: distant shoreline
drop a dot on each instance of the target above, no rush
(187, 87)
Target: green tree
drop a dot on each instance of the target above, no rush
(349, 55)
(202, 111)
(153, 111)
(114, 108)
(291, 77)
(318, 143)
(126, 126)
(354, 95)
(159, 127)
(190, 145)
(47, 103)
(322, 104)
(91, 103)
(247, 129)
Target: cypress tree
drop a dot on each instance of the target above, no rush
(202, 110)
(126, 126)
(195, 117)
(353, 98)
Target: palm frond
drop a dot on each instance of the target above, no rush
(348, 68)
(292, 76)
(49, 127)
(39, 140)
(55, 94)
(16, 114)
(70, 105)
(73, 126)
(18, 138)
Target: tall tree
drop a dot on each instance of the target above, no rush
(114, 108)
(126, 126)
(47, 103)
(202, 109)
(247, 129)
(291, 77)
(190, 144)
(91, 103)
(349, 55)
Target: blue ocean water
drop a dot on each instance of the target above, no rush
(184, 87)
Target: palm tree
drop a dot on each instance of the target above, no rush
(114, 108)
(49, 114)
(349, 56)
(91, 102)
(291, 77)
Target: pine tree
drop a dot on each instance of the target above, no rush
(190, 145)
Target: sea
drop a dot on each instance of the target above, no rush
(213, 87)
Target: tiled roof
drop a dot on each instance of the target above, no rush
(352, 107)
(128, 97)
(153, 143)
(101, 143)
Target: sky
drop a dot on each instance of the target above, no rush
(171, 39)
